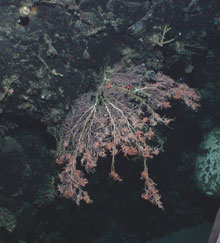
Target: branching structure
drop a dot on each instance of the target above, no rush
(120, 117)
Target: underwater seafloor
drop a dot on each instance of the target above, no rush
(52, 52)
